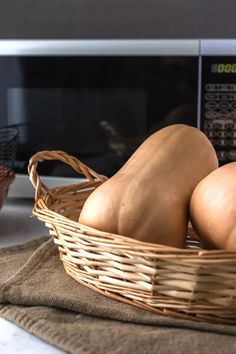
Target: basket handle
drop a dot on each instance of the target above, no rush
(40, 188)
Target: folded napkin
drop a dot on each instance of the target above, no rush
(37, 294)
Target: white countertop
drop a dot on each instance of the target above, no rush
(14, 340)
(18, 227)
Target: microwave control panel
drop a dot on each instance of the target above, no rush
(218, 105)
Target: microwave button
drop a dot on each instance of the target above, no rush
(232, 142)
(222, 142)
(211, 114)
(224, 106)
(209, 125)
(223, 123)
(222, 155)
(211, 105)
(210, 87)
(231, 155)
(224, 115)
(226, 96)
(222, 134)
(212, 96)
(233, 114)
(232, 134)
(211, 134)
(220, 87)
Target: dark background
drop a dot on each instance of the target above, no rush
(117, 19)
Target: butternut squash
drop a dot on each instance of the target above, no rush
(148, 198)
(213, 208)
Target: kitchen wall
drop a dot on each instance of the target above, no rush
(117, 19)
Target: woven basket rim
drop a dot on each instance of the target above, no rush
(40, 207)
(43, 195)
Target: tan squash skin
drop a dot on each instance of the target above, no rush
(148, 198)
(213, 208)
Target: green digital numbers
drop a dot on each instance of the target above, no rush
(224, 68)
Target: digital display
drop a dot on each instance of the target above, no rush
(224, 68)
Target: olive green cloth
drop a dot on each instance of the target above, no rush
(37, 294)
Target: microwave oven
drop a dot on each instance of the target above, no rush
(99, 99)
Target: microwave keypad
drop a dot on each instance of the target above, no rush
(220, 119)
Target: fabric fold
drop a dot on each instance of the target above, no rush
(38, 295)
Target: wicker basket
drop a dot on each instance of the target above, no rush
(7, 176)
(8, 142)
(190, 283)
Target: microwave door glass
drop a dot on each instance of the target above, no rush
(99, 109)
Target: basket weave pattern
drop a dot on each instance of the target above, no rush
(8, 141)
(190, 283)
(7, 176)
